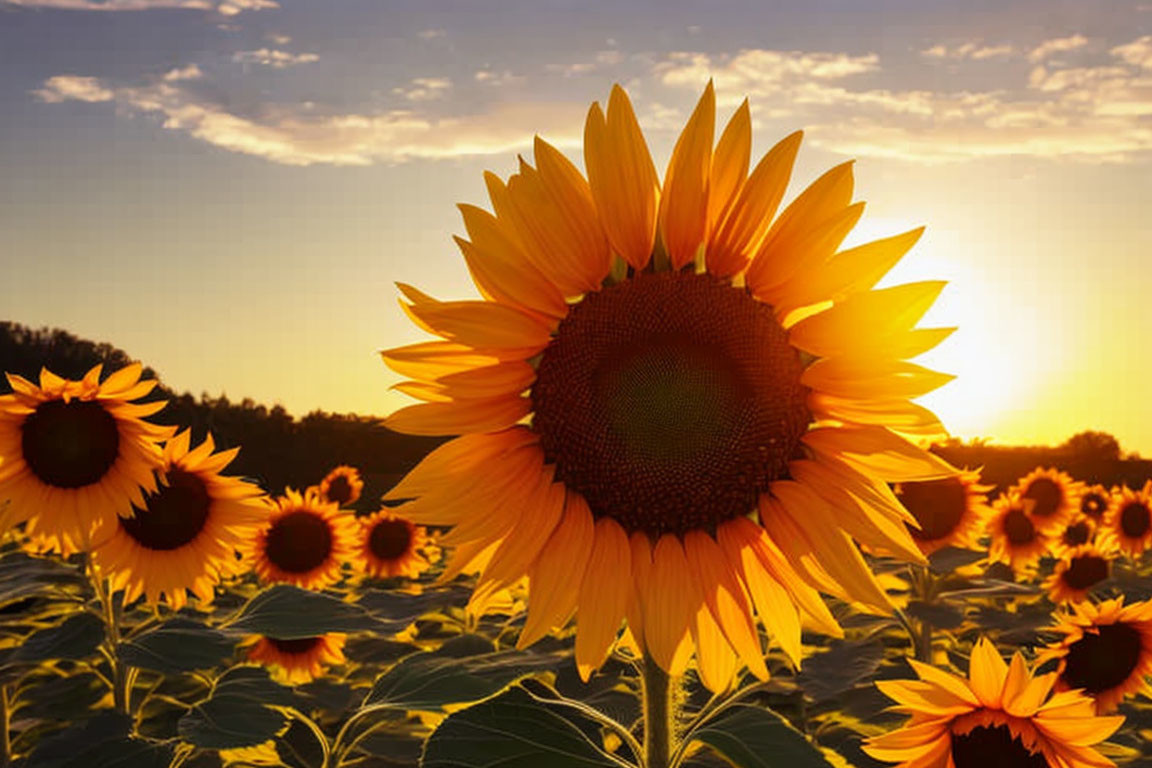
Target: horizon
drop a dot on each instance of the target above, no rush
(283, 166)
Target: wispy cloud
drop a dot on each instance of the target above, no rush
(294, 135)
(270, 57)
(430, 34)
(424, 89)
(1057, 45)
(189, 72)
(226, 8)
(970, 50)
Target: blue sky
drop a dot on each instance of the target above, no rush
(229, 189)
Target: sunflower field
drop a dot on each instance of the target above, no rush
(688, 516)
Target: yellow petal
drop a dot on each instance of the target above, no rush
(570, 193)
(729, 163)
(863, 378)
(555, 577)
(855, 269)
(523, 544)
(460, 416)
(715, 659)
(898, 415)
(669, 604)
(877, 451)
(684, 200)
(518, 285)
(432, 359)
(457, 459)
(987, 672)
(479, 323)
(603, 595)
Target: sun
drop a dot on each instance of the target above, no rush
(675, 407)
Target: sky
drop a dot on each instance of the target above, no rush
(229, 189)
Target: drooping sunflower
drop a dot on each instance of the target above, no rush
(299, 660)
(673, 406)
(305, 541)
(950, 511)
(1094, 502)
(185, 536)
(1106, 650)
(1129, 519)
(389, 545)
(1079, 570)
(1000, 716)
(342, 485)
(1015, 538)
(1050, 497)
(75, 452)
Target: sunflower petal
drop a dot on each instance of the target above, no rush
(554, 579)
(683, 216)
(603, 596)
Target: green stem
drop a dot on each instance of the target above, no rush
(121, 679)
(658, 703)
(924, 643)
(5, 716)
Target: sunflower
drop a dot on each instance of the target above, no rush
(1000, 716)
(185, 535)
(950, 511)
(304, 542)
(673, 407)
(1079, 570)
(1015, 539)
(1106, 650)
(1129, 519)
(75, 452)
(1051, 496)
(1094, 502)
(389, 545)
(299, 660)
(342, 485)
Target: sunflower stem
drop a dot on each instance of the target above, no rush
(5, 717)
(659, 716)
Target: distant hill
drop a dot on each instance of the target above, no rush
(278, 450)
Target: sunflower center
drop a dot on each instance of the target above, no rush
(69, 445)
(938, 505)
(993, 747)
(174, 515)
(299, 542)
(1135, 520)
(296, 645)
(389, 539)
(1077, 533)
(1018, 528)
(339, 490)
(1047, 496)
(1093, 505)
(1084, 571)
(1101, 661)
(670, 401)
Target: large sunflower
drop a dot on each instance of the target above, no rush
(1079, 571)
(950, 511)
(1106, 650)
(75, 452)
(1129, 519)
(186, 534)
(1015, 538)
(305, 541)
(1000, 716)
(299, 660)
(342, 485)
(673, 406)
(389, 545)
(1050, 496)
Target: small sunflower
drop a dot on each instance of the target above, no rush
(1129, 519)
(75, 452)
(1078, 571)
(185, 535)
(391, 546)
(1080, 530)
(1106, 650)
(1000, 716)
(1094, 501)
(1050, 496)
(1015, 538)
(674, 407)
(342, 485)
(305, 541)
(950, 511)
(299, 660)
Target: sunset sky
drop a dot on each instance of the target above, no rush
(229, 190)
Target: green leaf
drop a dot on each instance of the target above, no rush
(940, 615)
(47, 697)
(22, 576)
(399, 609)
(514, 730)
(287, 612)
(844, 665)
(428, 681)
(101, 741)
(949, 559)
(238, 712)
(177, 645)
(755, 737)
(74, 638)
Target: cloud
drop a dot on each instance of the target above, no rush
(190, 72)
(295, 135)
(226, 8)
(970, 50)
(1138, 52)
(269, 57)
(1057, 45)
(600, 60)
(425, 88)
(491, 77)
(430, 34)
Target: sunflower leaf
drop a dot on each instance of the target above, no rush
(940, 615)
(843, 666)
(516, 729)
(948, 559)
(287, 612)
(23, 576)
(755, 737)
(74, 638)
(239, 712)
(177, 645)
